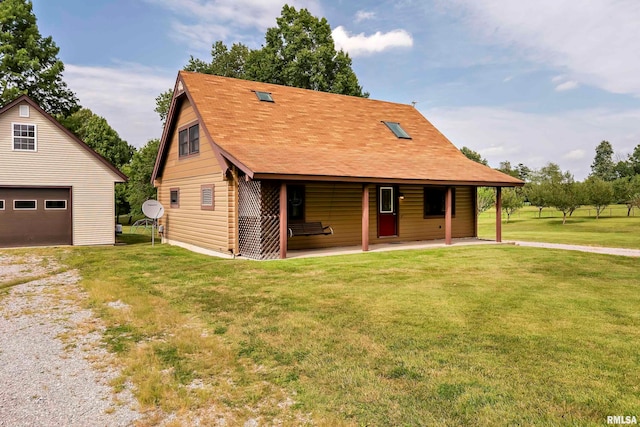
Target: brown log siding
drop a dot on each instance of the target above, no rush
(189, 223)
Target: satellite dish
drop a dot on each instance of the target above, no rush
(153, 209)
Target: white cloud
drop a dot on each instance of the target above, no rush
(578, 154)
(360, 45)
(568, 139)
(363, 15)
(201, 22)
(596, 42)
(567, 86)
(124, 95)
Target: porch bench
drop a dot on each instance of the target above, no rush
(309, 229)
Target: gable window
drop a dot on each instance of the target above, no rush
(434, 201)
(174, 197)
(189, 140)
(207, 197)
(24, 137)
(55, 204)
(295, 202)
(397, 130)
(264, 96)
(25, 205)
(24, 111)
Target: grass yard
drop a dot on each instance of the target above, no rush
(612, 229)
(491, 335)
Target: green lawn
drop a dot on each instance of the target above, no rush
(491, 335)
(612, 229)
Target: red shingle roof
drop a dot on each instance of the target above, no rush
(312, 134)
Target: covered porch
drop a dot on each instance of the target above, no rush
(364, 216)
(392, 205)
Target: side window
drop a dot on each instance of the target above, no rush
(295, 202)
(434, 201)
(1, 205)
(24, 137)
(189, 141)
(174, 197)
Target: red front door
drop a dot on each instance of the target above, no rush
(387, 212)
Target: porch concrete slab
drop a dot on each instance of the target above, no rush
(385, 247)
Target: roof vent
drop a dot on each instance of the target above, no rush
(397, 130)
(264, 96)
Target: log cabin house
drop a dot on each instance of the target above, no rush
(256, 169)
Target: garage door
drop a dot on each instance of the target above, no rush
(35, 216)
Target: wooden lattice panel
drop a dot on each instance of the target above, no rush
(259, 221)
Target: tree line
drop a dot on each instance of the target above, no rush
(610, 182)
(299, 51)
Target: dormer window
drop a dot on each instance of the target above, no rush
(24, 137)
(397, 130)
(264, 96)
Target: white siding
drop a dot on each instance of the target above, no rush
(60, 161)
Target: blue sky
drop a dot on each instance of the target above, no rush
(524, 81)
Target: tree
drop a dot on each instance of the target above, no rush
(598, 193)
(224, 62)
(537, 193)
(163, 103)
(524, 172)
(300, 52)
(29, 63)
(505, 167)
(474, 155)
(627, 191)
(486, 198)
(603, 166)
(565, 195)
(139, 187)
(97, 134)
(512, 200)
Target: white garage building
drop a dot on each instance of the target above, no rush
(54, 189)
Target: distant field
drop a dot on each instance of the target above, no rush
(612, 229)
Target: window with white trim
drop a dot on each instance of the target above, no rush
(1, 205)
(25, 205)
(55, 205)
(24, 137)
(24, 111)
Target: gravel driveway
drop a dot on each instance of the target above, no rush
(53, 368)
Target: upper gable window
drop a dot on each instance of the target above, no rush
(24, 137)
(264, 96)
(397, 130)
(24, 111)
(189, 140)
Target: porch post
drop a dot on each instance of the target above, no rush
(283, 220)
(498, 214)
(365, 217)
(447, 216)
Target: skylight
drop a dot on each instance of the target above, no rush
(397, 130)
(264, 96)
